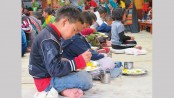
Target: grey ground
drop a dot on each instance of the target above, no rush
(124, 87)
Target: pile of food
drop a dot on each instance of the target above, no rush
(91, 66)
(134, 71)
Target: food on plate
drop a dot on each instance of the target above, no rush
(133, 71)
(90, 66)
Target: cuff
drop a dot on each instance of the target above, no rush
(72, 64)
(80, 62)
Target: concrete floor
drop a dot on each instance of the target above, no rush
(124, 87)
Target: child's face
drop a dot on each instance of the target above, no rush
(44, 14)
(86, 25)
(109, 22)
(103, 15)
(70, 29)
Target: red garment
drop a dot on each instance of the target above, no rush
(92, 3)
(43, 83)
(54, 27)
(145, 7)
(87, 31)
(80, 62)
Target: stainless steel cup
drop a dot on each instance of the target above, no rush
(105, 76)
(128, 65)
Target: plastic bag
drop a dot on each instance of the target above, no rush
(106, 63)
(134, 51)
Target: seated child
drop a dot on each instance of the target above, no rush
(78, 44)
(105, 27)
(46, 65)
(118, 39)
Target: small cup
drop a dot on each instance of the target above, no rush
(105, 76)
(128, 65)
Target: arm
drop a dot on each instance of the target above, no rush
(96, 55)
(78, 46)
(104, 28)
(55, 65)
(123, 37)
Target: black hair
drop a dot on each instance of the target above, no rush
(101, 10)
(117, 14)
(26, 12)
(48, 10)
(119, 2)
(70, 12)
(87, 17)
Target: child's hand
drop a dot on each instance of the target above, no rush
(87, 56)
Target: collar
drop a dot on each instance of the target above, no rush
(55, 29)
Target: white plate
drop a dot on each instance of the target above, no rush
(91, 69)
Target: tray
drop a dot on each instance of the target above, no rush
(134, 72)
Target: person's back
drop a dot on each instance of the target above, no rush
(117, 27)
(76, 46)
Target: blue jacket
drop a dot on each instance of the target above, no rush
(104, 28)
(76, 46)
(46, 56)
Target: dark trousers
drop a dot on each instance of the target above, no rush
(128, 44)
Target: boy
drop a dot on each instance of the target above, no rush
(118, 39)
(46, 64)
(105, 26)
(78, 44)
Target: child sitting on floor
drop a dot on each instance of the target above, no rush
(105, 27)
(46, 65)
(118, 39)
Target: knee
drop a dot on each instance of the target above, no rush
(85, 80)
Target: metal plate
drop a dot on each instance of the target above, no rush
(134, 72)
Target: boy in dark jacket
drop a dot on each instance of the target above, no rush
(46, 64)
(78, 44)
